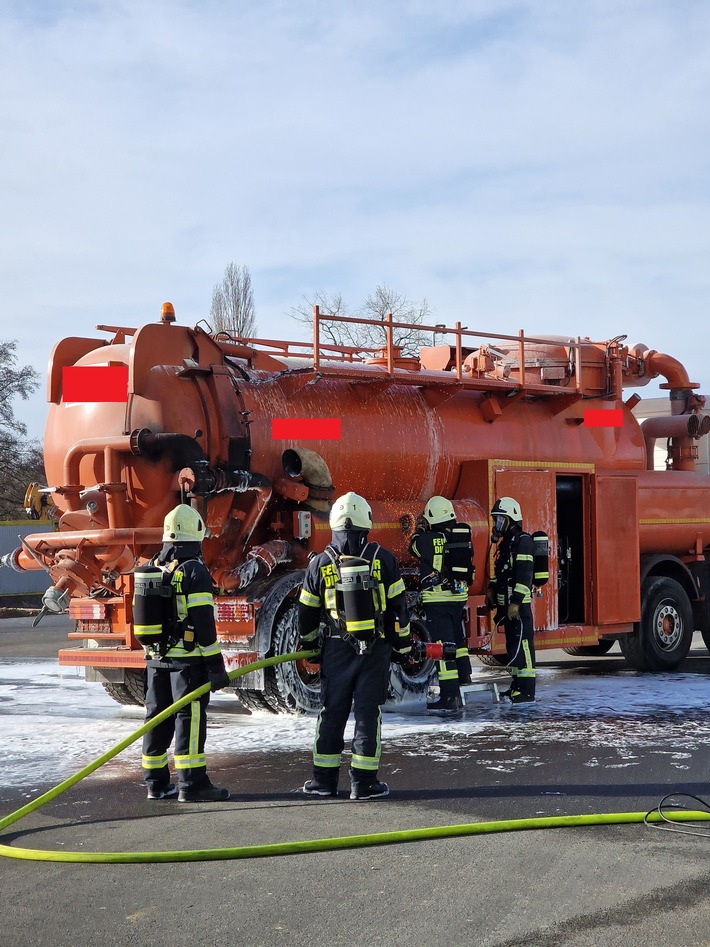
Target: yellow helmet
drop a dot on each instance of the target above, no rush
(350, 511)
(183, 525)
(439, 510)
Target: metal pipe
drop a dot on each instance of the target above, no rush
(72, 486)
(682, 427)
(71, 539)
(670, 368)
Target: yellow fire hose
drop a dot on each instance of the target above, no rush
(303, 846)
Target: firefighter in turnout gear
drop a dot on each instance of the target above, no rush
(355, 588)
(182, 655)
(510, 594)
(443, 548)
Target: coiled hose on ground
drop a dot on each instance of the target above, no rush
(660, 815)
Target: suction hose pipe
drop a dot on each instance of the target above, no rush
(307, 845)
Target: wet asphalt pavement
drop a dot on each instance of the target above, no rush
(614, 885)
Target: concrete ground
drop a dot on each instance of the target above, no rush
(607, 886)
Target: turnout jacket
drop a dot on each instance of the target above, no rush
(513, 575)
(428, 547)
(318, 594)
(197, 632)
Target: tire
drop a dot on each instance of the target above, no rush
(254, 700)
(662, 639)
(131, 691)
(590, 650)
(292, 687)
(415, 678)
(492, 660)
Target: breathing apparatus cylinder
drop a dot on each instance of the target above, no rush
(541, 558)
(355, 591)
(152, 607)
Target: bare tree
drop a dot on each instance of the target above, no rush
(20, 465)
(376, 307)
(21, 461)
(337, 333)
(232, 307)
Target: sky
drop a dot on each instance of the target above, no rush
(520, 164)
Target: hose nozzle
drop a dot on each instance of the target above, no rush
(434, 651)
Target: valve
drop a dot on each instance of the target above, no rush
(54, 601)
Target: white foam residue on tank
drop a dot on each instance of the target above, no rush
(433, 448)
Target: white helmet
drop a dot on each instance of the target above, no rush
(350, 511)
(439, 510)
(507, 506)
(183, 525)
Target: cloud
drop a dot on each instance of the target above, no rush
(537, 165)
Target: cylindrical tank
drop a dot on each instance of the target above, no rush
(192, 401)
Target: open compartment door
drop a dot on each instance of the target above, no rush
(615, 551)
(535, 492)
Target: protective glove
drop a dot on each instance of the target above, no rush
(491, 598)
(404, 645)
(403, 656)
(513, 611)
(219, 679)
(422, 524)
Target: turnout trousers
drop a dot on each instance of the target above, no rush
(350, 680)
(444, 621)
(520, 651)
(168, 681)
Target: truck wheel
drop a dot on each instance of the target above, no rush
(292, 687)
(131, 691)
(493, 660)
(254, 700)
(406, 682)
(590, 650)
(662, 639)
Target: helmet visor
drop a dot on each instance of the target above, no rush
(500, 524)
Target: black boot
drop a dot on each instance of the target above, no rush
(449, 704)
(320, 787)
(518, 697)
(523, 691)
(205, 792)
(372, 790)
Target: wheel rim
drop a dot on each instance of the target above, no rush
(309, 674)
(668, 626)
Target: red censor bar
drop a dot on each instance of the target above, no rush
(305, 429)
(95, 383)
(600, 418)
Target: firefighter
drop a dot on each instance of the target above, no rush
(444, 593)
(510, 594)
(189, 658)
(355, 663)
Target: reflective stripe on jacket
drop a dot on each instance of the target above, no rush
(428, 547)
(195, 608)
(318, 592)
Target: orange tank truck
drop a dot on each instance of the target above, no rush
(483, 416)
